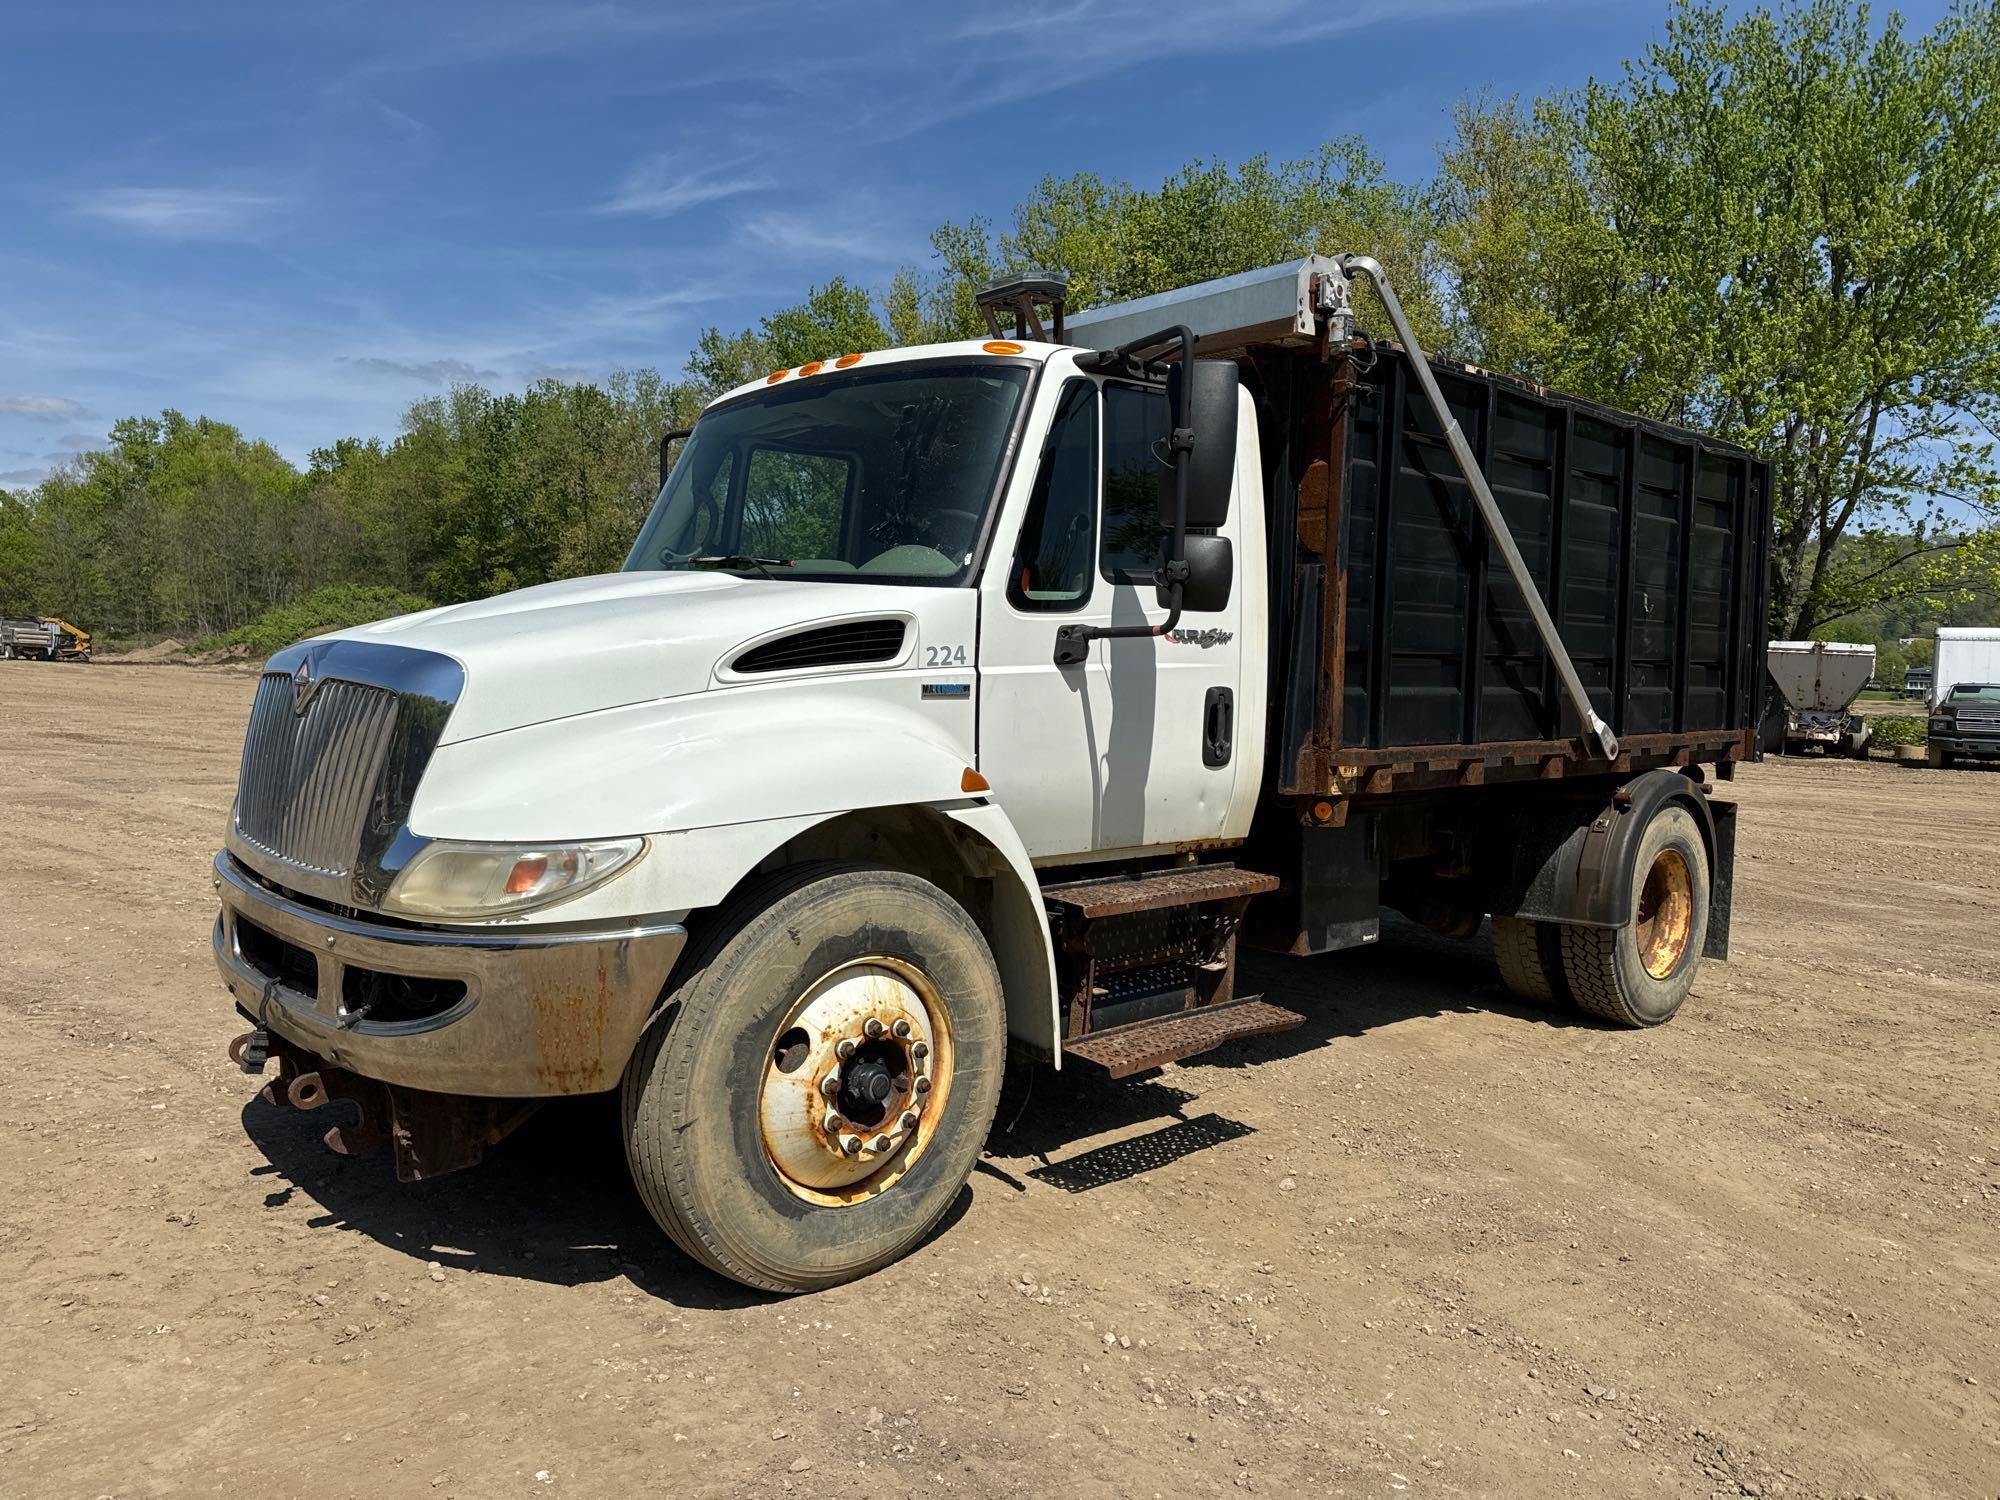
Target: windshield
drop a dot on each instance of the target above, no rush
(1975, 692)
(884, 475)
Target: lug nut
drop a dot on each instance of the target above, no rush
(830, 1085)
(851, 1144)
(901, 1028)
(909, 1120)
(921, 1051)
(831, 1123)
(880, 1143)
(873, 1028)
(923, 1085)
(844, 1048)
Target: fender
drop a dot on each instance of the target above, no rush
(1023, 946)
(1583, 874)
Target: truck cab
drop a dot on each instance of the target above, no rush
(956, 704)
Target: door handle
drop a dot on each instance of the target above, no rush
(1218, 726)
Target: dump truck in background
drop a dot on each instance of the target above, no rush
(1816, 684)
(974, 701)
(43, 638)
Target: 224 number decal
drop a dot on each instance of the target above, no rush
(944, 656)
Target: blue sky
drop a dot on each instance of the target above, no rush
(299, 219)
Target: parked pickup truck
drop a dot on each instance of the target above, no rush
(1965, 724)
(979, 699)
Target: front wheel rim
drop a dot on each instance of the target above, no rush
(855, 1081)
(1664, 920)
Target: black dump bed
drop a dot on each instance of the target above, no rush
(1405, 655)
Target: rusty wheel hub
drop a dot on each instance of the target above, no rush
(855, 1081)
(1666, 914)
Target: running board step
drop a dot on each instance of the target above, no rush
(1145, 1045)
(1196, 885)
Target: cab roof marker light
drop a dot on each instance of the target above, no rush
(811, 367)
(775, 376)
(846, 360)
(1001, 346)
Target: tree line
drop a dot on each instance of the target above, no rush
(1782, 227)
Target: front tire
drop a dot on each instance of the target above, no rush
(1638, 974)
(824, 1082)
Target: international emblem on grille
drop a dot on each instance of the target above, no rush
(304, 684)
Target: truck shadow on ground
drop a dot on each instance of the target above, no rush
(553, 1203)
(1411, 974)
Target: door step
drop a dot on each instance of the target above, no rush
(1145, 1045)
(1195, 886)
(1147, 965)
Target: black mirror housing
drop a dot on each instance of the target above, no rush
(1211, 565)
(1212, 460)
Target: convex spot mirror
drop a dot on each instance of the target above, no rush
(1212, 461)
(1211, 571)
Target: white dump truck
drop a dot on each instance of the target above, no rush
(970, 703)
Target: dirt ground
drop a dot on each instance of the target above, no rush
(1437, 1243)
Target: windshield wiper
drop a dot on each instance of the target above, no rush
(740, 560)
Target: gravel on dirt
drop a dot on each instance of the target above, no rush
(1433, 1242)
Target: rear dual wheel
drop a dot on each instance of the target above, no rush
(1637, 974)
(824, 1080)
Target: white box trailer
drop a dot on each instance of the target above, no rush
(1965, 654)
(1818, 681)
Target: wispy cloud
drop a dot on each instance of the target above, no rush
(429, 371)
(25, 479)
(43, 408)
(660, 186)
(176, 213)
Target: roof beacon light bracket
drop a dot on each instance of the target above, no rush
(1482, 494)
(1023, 295)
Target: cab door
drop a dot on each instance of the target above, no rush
(1135, 747)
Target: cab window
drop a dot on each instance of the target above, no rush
(1052, 565)
(1135, 443)
(793, 502)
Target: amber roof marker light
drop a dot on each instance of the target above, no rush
(813, 367)
(775, 376)
(846, 360)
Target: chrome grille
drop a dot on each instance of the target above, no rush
(307, 779)
(1986, 721)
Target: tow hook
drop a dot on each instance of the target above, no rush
(251, 1051)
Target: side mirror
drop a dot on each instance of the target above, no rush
(1212, 460)
(1211, 574)
(667, 441)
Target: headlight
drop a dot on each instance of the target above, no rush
(489, 880)
(1938, 726)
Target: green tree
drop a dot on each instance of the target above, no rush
(1784, 228)
(1116, 241)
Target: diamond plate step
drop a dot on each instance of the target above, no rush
(1091, 899)
(1149, 1044)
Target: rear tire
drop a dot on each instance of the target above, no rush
(1530, 958)
(1637, 974)
(754, 1026)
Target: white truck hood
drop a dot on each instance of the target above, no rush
(587, 644)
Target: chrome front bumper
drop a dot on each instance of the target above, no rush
(544, 1011)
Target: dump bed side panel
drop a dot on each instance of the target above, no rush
(1647, 542)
